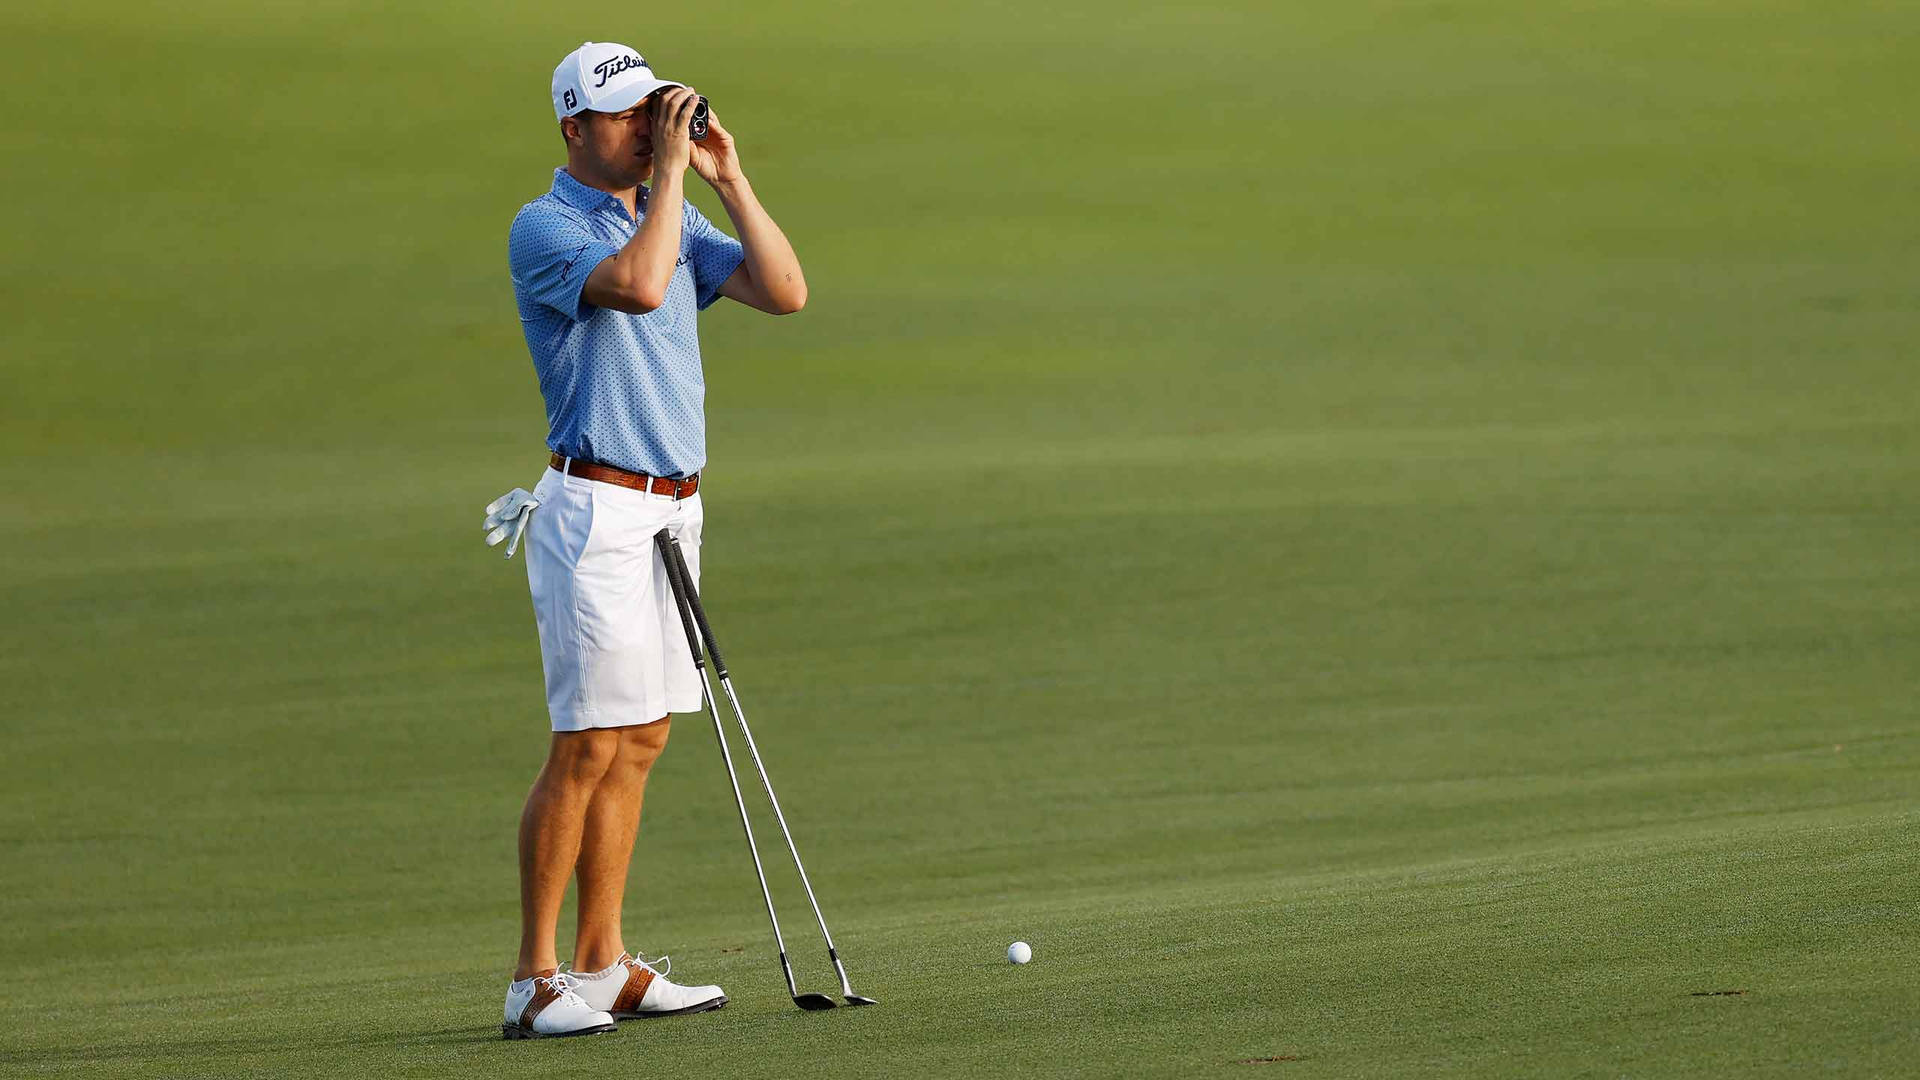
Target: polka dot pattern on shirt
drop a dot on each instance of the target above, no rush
(625, 390)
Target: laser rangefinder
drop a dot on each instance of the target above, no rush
(697, 125)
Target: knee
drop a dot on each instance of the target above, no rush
(581, 758)
(641, 746)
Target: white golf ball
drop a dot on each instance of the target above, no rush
(1019, 952)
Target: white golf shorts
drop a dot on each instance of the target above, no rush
(611, 639)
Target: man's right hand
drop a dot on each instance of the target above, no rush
(635, 280)
(672, 116)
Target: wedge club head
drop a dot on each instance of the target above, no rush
(813, 1002)
(856, 999)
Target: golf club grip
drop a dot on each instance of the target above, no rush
(700, 614)
(670, 557)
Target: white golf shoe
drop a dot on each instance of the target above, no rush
(544, 1006)
(629, 989)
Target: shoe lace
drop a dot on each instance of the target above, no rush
(562, 981)
(661, 967)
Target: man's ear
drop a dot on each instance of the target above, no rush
(570, 130)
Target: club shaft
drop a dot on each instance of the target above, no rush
(753, 753)
(692, 597)
(679, 579)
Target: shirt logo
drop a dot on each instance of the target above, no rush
(612, 66)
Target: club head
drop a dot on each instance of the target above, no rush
(856, 999)
(813, 1002)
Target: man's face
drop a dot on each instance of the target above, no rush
(620, 145)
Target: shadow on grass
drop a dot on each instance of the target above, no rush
(178, 1052)
(456, 1036)
(154, 1050)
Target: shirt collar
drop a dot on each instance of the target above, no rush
(581, 197)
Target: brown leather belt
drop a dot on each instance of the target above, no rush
(607, 474)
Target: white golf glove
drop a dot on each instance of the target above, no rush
(509, 514)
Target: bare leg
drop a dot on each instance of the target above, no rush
(550, 831)
(606, 847)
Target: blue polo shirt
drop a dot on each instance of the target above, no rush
(624, 390)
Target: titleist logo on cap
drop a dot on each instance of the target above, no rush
(612, 66)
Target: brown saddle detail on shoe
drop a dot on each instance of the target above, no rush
(546, 991)
(638, 979)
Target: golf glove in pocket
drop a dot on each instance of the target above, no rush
(508, 514)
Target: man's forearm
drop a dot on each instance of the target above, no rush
(647, 261)
(770, 260)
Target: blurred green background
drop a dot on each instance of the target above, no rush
(1378, 535)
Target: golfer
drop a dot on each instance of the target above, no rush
(610, 277)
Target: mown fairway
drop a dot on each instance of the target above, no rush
(1380, 534)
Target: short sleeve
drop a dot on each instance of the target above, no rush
(551, 254)
(713, 254)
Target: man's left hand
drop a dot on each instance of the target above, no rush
(714, 157)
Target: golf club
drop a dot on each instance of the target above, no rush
(687, 599)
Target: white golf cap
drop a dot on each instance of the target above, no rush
(604, 77)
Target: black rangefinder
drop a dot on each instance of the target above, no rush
(697, 126)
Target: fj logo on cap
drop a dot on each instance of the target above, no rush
(572, 100)
(612, 66)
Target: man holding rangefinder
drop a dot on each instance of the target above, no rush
(610, 276)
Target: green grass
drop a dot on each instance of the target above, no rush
(1373, 534)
